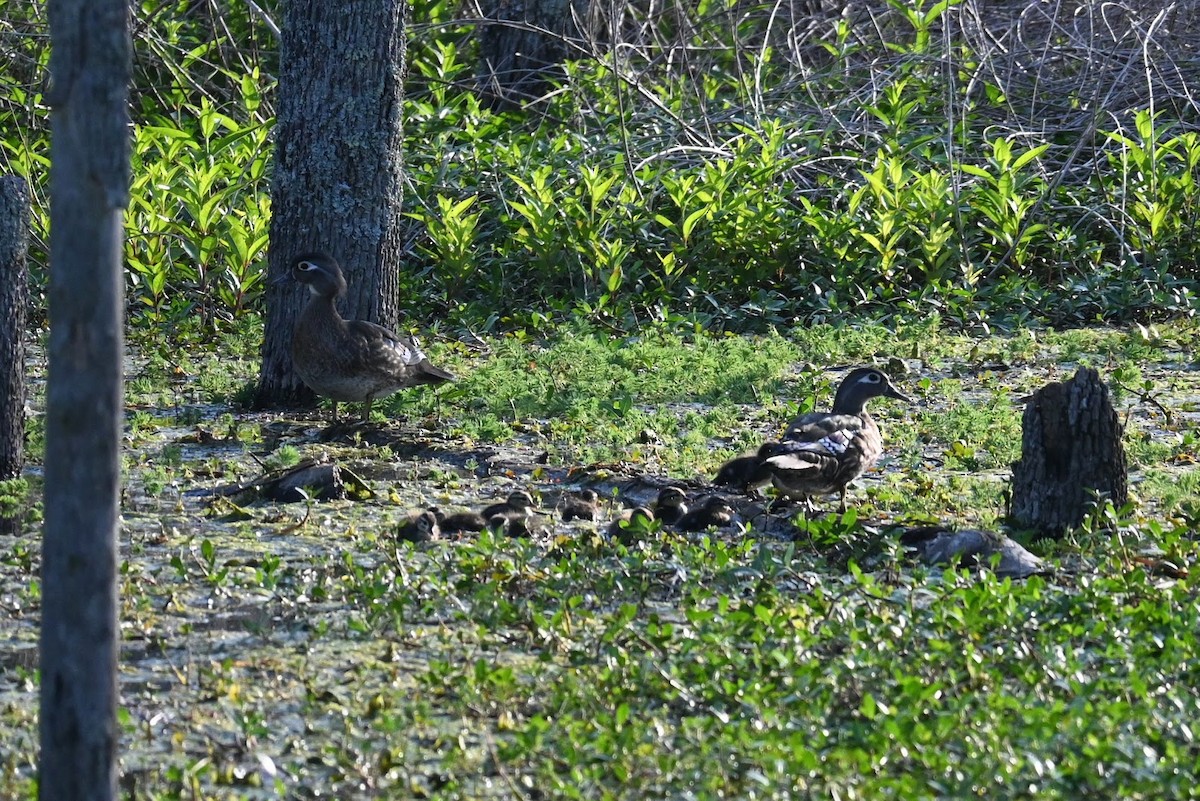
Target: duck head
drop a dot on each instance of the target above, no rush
(520, 500)
(318, 271)
(862, 384)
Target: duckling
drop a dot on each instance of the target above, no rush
(746, 473)
(515, 527)
(420, 527)
(460, 521)
(518, 504)
(671, 505)
(628, 526)
(714, 512)
(350, 360)
(580, 506)
(822, 452)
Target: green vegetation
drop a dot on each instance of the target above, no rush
(271, 648)
(762, 184)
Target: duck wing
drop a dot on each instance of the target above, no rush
(815, 427)
(823, 453)
(402, 354)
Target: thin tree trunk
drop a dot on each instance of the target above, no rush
(89, 185)
(338, 169)
(14, 297)
(1071, 455)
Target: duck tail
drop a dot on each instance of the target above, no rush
(434, 375)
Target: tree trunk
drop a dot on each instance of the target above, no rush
(338, 168)
(524, 41)
(89, 187)
(14, 297)
(1071, 455)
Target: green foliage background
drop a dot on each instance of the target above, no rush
(730, 165)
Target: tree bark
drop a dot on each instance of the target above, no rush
(89, 186)
(524, 41)
(1071, 455)
(14, 297)
(338, 169)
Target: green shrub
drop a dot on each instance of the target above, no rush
(714, 174)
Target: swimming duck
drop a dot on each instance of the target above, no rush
(421, 527)
(671, 505)
(580, 506)
(350, 360)
(822, 452)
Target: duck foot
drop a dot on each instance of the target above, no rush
(347, 430)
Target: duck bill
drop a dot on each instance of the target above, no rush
(897, 394)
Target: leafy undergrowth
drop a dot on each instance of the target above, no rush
(302, 651)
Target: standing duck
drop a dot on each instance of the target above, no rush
(822, 452)
(350, 360)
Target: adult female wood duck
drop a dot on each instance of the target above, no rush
(350, 360)
(822, 452)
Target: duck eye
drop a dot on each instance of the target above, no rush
(307, 266)
(873, 378)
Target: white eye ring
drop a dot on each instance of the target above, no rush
(873, 378)
(307, 266)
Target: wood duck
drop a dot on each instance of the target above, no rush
(713, 512)
(628, 526)
(517, 505)
(421, 527)
(822, 452)
(671, 505)
(460, 521)
(350, 360)
(515, 527)
(746, 473)
(580, 506)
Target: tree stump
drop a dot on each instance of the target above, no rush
(14, 297)
(1071, 455)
